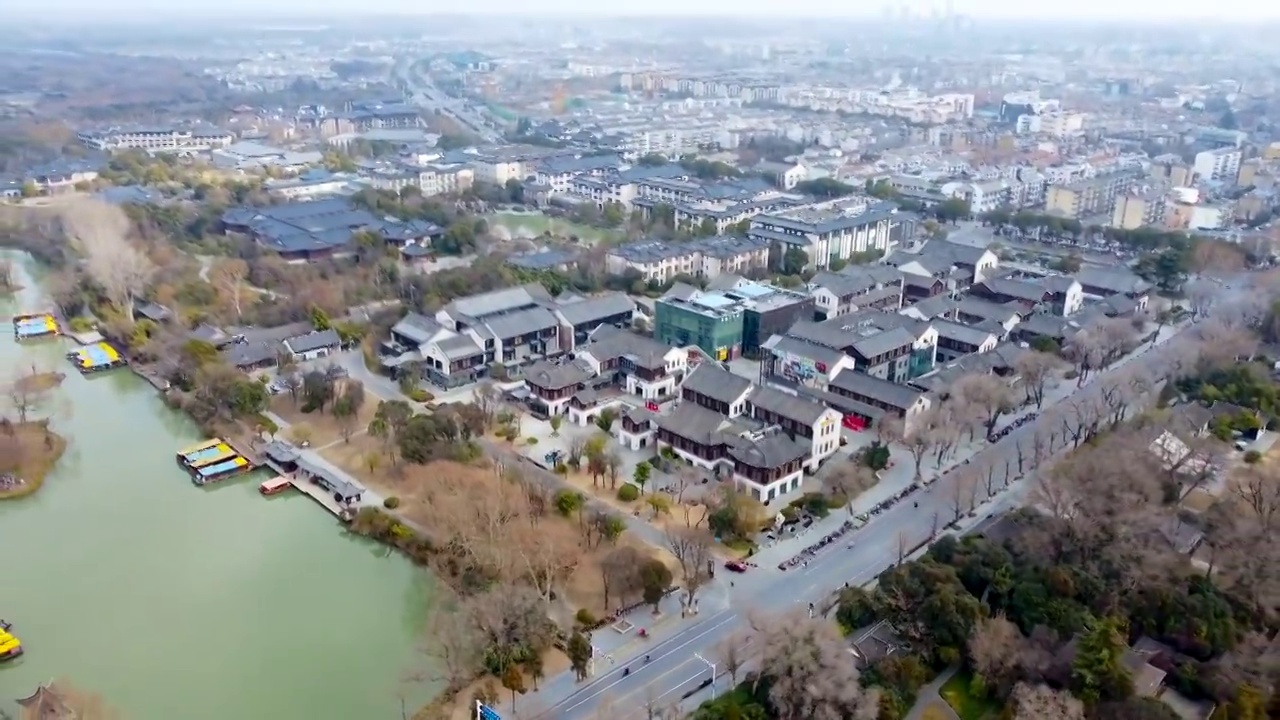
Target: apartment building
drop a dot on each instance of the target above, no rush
(729, 322)
(871, 398)
(1089, 197)
(831, 230)
(1138, 209)
(558, 173)
(155, 139)
(1219, 165)
(440, 179)
(661, 261)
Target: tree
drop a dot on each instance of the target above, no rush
(556, 421)
(534, 667)
(1038, 702)
(655, 580)
(994, 650)
(231, 277)
(100, 234)
(513, 680)
(1098, 672)
(27, 392)
(989, 394)
(1036, 370)
(620, 572)
(794, 261)
(731, 654)
(806, 665)
(641, 475)
(692, 550)
(580, 653)
(389, 420)
(928, 605)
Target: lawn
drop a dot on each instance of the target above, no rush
(530, 226)
(956, 692)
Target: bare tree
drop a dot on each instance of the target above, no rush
(1260, 492)
(1036, 370)
(849, 480)
(685, 478)
(732, 654)
(1200, 295)
(922, 437)
(1220, 344)
(692, 550)
(100, 234)
(27, 392)
(1039, 702)
(994, 649)
(988, 393)
(619, 572)
(810, 675)
(231, 277)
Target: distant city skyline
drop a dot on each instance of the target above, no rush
(70, 10)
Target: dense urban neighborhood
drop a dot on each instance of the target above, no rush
(647, 369)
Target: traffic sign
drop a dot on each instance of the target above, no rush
(484, 712)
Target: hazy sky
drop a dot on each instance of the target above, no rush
(1155, 9)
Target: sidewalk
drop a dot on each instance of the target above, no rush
(929, 697)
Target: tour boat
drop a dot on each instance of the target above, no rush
(275, 485)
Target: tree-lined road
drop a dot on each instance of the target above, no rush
(674, 667)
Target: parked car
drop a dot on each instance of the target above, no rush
(735, 566)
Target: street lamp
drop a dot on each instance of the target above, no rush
(713, 673)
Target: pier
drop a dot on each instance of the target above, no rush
(322, 483)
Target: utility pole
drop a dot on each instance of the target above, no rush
(712, 666)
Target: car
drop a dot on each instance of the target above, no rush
(735, 566)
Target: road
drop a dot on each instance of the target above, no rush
(674, 668)
(421, 91)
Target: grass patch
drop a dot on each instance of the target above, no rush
(956, 692)
(29, 451)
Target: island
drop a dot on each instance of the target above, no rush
(29, 448)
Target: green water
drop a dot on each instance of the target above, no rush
(175, 602)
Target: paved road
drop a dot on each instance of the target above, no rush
(424, 93)
(674, 669)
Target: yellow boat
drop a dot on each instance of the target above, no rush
(10, 647)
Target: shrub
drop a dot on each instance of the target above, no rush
(308, 408)
(628, 493)
(391, 503)
(268, 425)
(1071, 374)
(585, 618)
(1252, 457)
(80, 324)
(531, 441)
(419, 395)
(562, 469)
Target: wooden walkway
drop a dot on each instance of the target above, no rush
(320, 495)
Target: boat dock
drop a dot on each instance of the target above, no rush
(35, 325)
(99, 357)
(326, 485)
(214, 460)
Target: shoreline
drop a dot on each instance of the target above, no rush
(50, 447)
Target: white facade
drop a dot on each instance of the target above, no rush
(1222, 164)
(155, 139)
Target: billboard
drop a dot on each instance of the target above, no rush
(795, 368)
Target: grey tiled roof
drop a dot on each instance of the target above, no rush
(799, 409)
(883, 342)
(457, 347)
(610, 342)
(694, 423)
(313, 341)
(416, 327)
(1115, 280)
(861, 384)
(520, 322)
(717, 383)
(596, 308)
(967, 334)
(769, 452)
(552, 376)
(783, 344)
